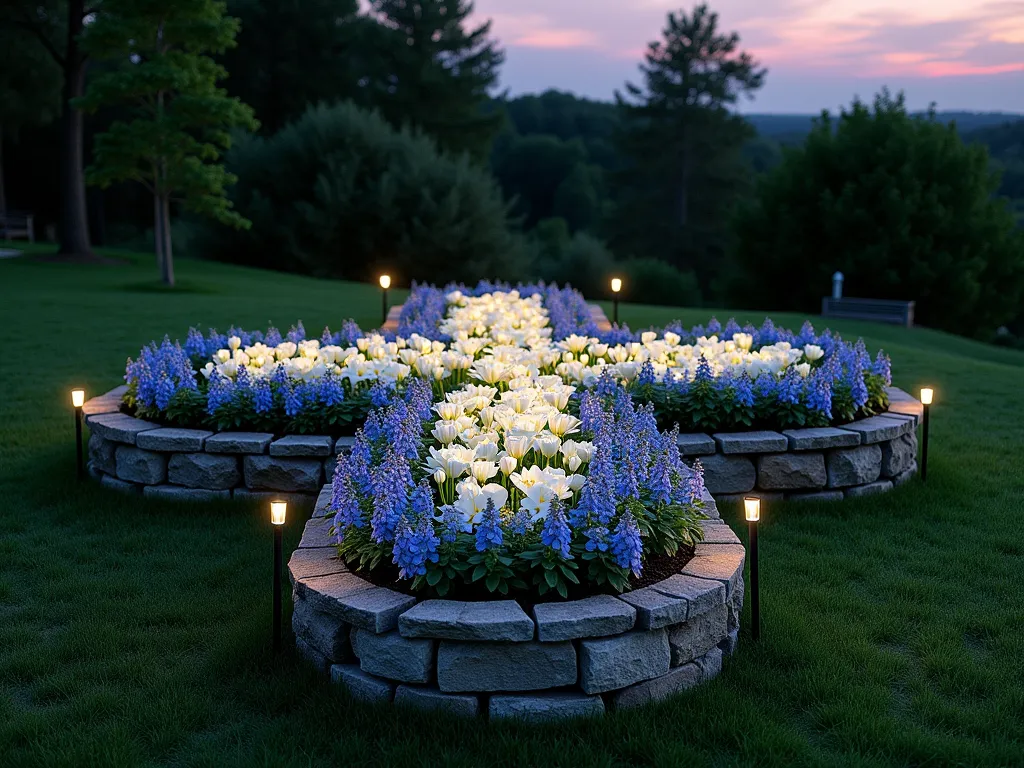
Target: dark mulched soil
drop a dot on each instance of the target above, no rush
(656, 568)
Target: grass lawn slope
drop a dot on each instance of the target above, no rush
(134, 632)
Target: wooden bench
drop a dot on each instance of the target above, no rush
(878, 310)
(14, 225)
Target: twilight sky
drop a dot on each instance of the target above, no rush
(961, 54)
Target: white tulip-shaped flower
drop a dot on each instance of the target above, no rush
(548, 445)
(813, 352)
(562, 424)
(445, 432)
(483, 471)
(472, 499)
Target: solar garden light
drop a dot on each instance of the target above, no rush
(385, 283)
(78, 400)
(616, 288)
(927, 394)
(278, 512)
(752, 510)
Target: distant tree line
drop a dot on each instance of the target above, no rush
(337, 140)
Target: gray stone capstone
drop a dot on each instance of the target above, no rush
(490, 620)
(591, 617)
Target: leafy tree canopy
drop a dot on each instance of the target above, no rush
(898, 204)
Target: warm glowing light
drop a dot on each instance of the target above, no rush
(278, 510)
(927, 393)
(616, 285)
(752, 508)
(385, 281)
(78, 397)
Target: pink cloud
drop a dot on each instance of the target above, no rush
(960, 69)
(555, 38)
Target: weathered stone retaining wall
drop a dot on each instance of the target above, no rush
(866, 456)
(501, 658)
(136, 456)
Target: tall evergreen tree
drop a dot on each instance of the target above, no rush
(181, 118)
(294, 53)
(683, 145)
(435, 73)
(58, 26)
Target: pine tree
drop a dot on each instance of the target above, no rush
(434, 74)
(294, 53)
(181, 119)
(683, 146)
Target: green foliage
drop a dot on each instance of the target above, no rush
(651, 281)
(534, 169)
(181, 119)
(581, 260)
(901, 206)
(682, 146)
(707, 406)
(30, 81)
(188, 408)
(432, 72)
(293, 53)
(341, 193)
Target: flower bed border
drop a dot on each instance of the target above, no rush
(131, 455)
(867, 456)
(504, 659)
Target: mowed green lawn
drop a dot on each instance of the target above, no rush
(134, 632)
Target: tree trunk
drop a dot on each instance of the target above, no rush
(74, 224)
(3, 193)
(158, 233)
(167, 270)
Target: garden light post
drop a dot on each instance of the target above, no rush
(927, 393)
(385, 283)
(616, 287)
(752, 510)
(78, 400)
(278, 512)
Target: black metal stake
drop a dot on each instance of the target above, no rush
(755, 597)
(924, 444)
(384, 304)
(278, 574)
(78, 443)
(615, 310)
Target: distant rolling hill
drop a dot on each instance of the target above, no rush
(793, 128)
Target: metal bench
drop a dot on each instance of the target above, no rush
(14, 225)
(878, 310)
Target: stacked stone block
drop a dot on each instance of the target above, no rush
(505, 660)
(816, 464)
(136, 456)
